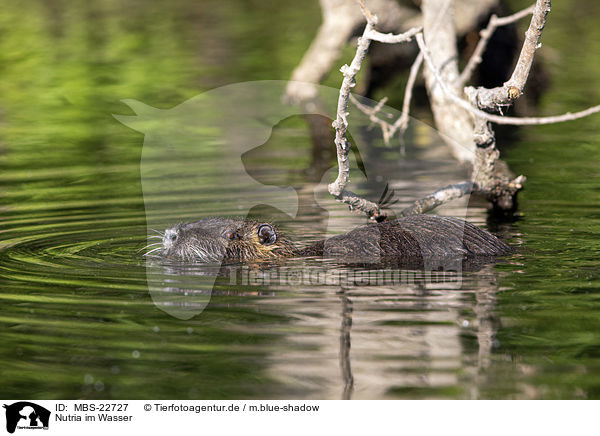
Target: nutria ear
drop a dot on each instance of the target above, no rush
(266, 234)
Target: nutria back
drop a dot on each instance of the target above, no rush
(418, 236)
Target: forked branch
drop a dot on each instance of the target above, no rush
(340, 124)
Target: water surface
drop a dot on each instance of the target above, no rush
(78, 318)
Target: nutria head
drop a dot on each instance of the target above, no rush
(217, 239)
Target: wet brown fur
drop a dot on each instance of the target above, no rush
(248, 247)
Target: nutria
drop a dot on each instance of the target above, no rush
(412, 237)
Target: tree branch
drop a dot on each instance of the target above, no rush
(338, 187)
(340, 20)
(371, 112)
(402, 122)
(389, 130)
(515, 121)
(486, 34)
(453, 122)
(341, 123)
(439, 197)
(469, 127)
(493, 99)
(389, 38)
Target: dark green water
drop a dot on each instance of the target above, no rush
(81, 315)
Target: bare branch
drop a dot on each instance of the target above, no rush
(537, 121)
(453, 122)
(509, 19)
(355, 202)
(495, 98)
(389, 38)
(337, 188)
(341, 123)
(380, 104)
(371, 112)
(515, 121)
(389, 130)
(368, 110)
(402, 122)
(486, 34)
(530, 45)
(340, 19)
(439, 197)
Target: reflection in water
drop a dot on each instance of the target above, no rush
(347, 377)
(394, 332)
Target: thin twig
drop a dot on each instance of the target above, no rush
(515, 121)
(537, 121)
(388, 130)
(390, 38)
(486, 34)
(380, 104)
(371, 112)
(368, 110)
(402, 122)
(441, 196)
(371, 19)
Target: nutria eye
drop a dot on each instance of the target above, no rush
(173, 237)
(266, 234)
(230, 235)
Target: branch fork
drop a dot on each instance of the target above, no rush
(467, 117)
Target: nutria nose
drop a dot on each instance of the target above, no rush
(169, 238)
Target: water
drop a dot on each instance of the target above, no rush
(81, 315)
